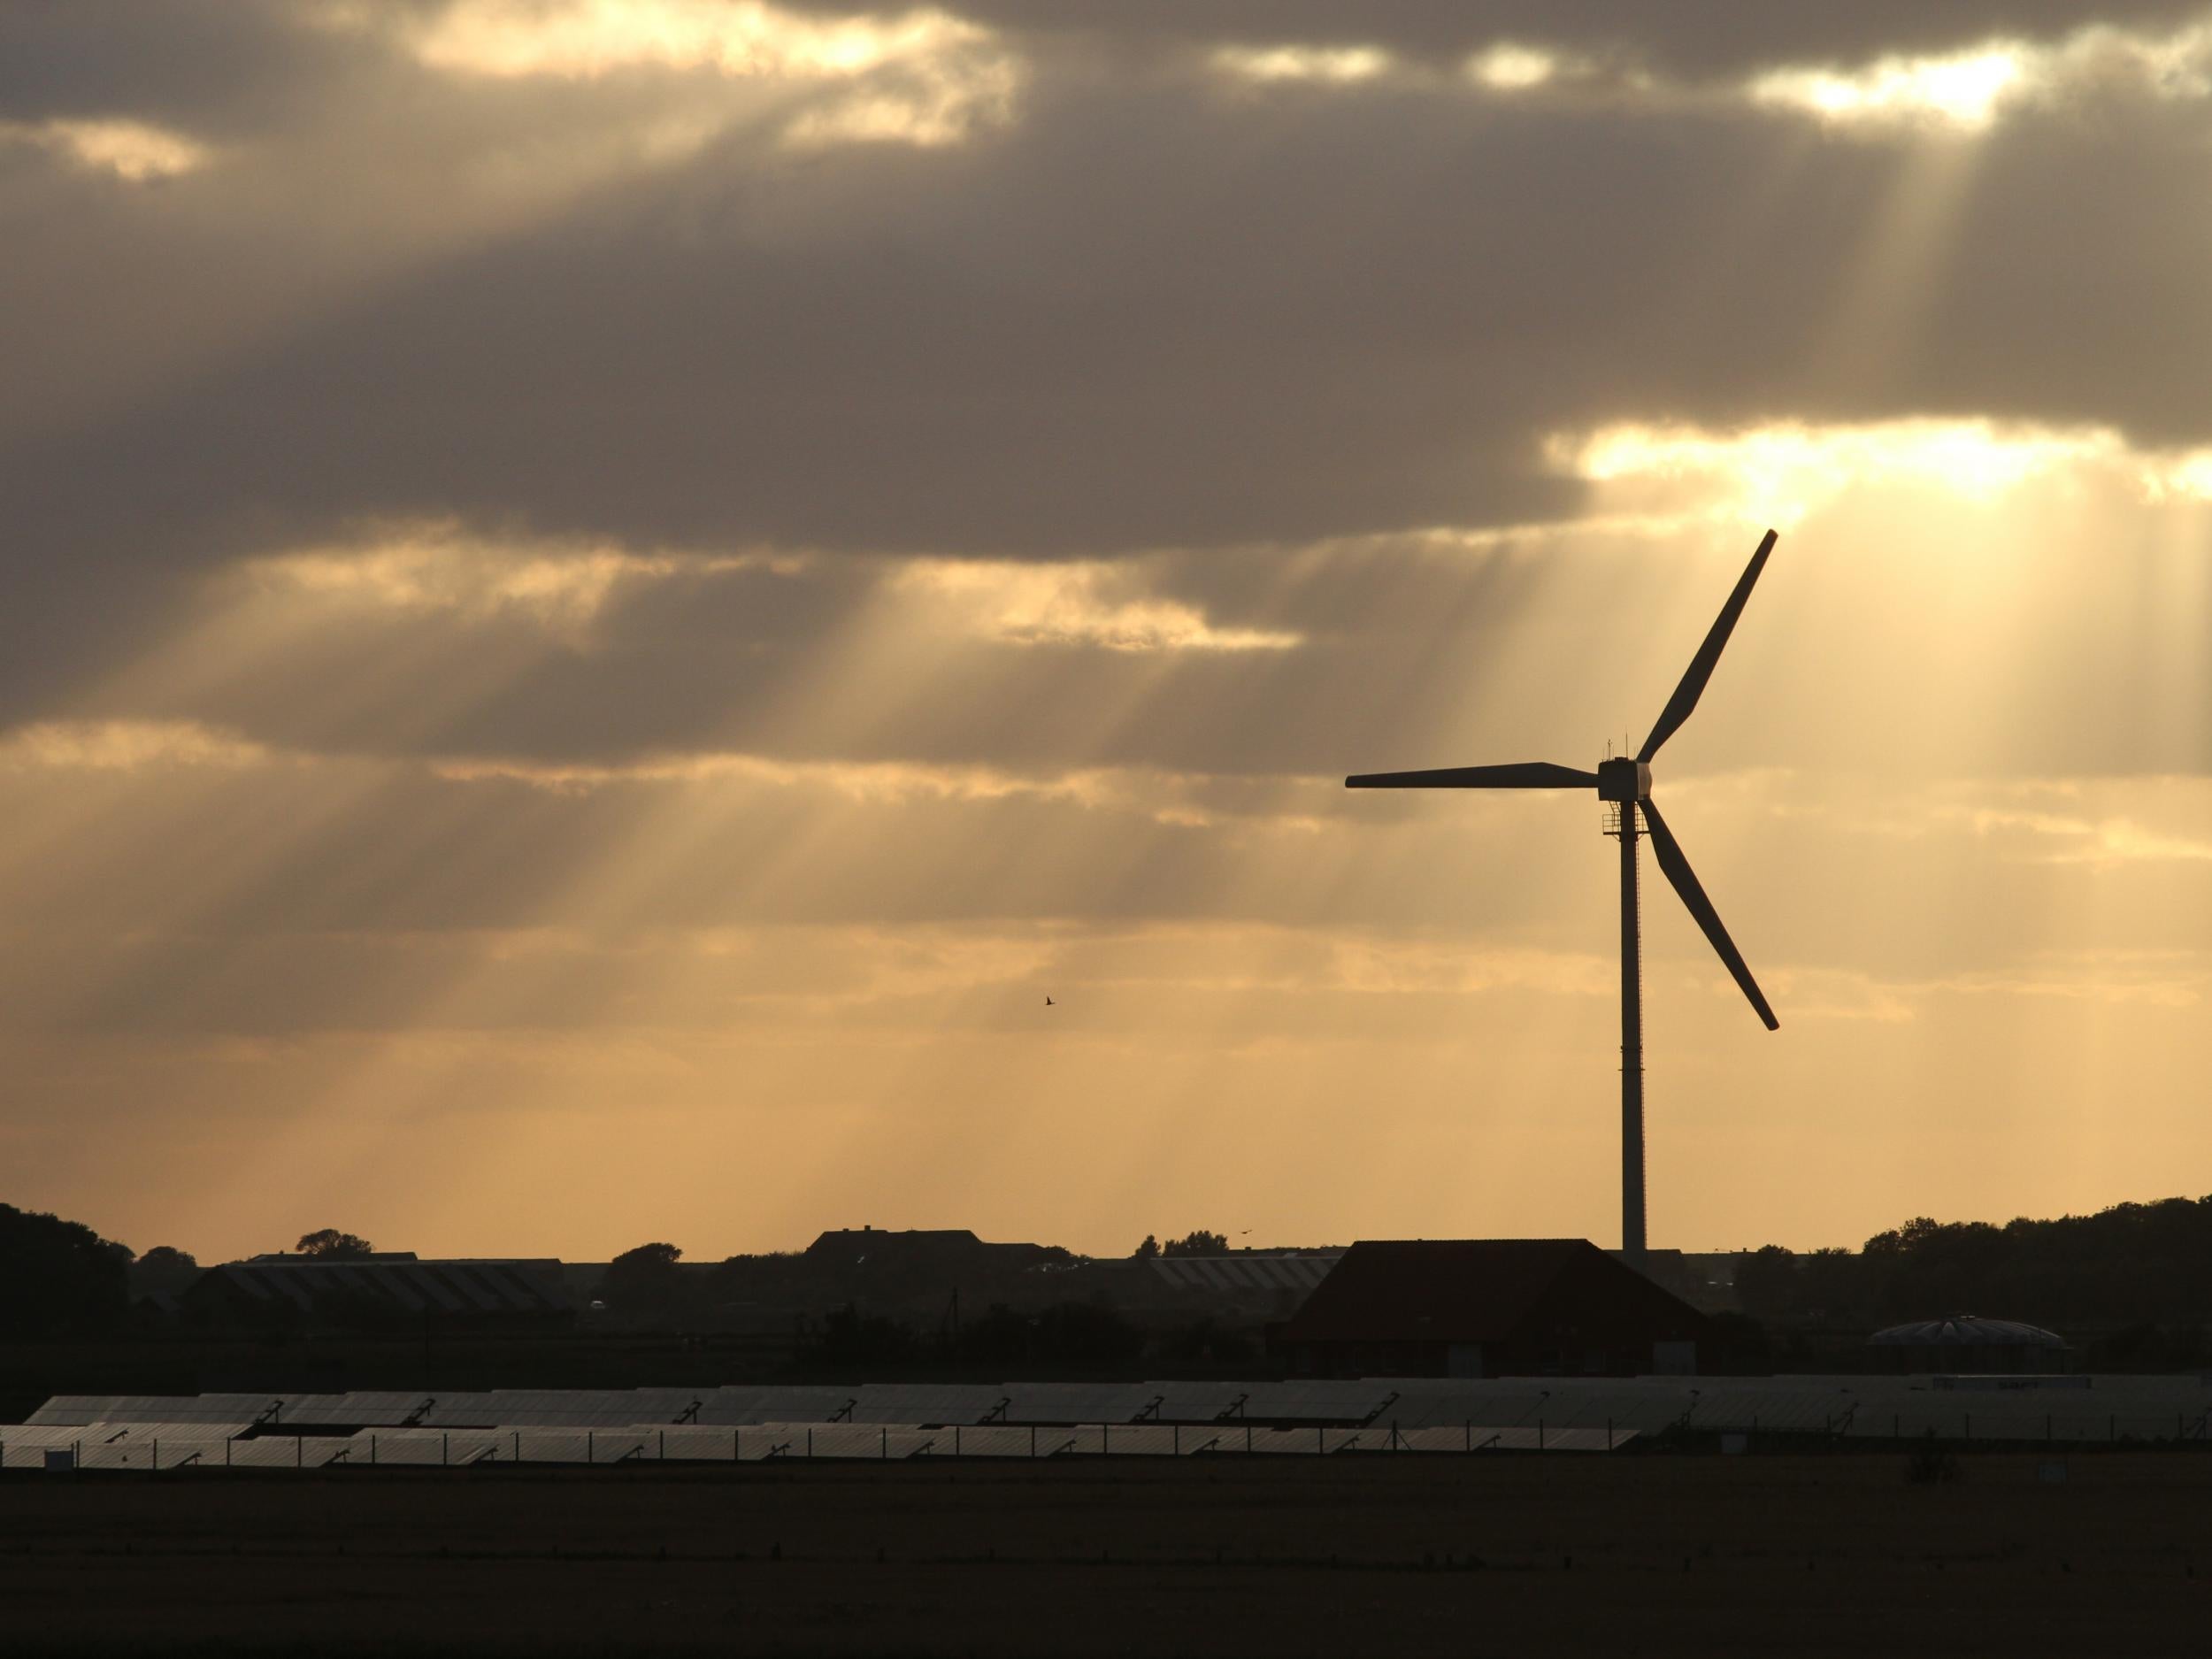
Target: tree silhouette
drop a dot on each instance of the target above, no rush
(1199, 1242)
(333, 1246)
(57, 1275)
(164, 1268)
(645, 1278)
(1146, 1251)
(2147, 1264)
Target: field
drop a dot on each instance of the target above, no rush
(1488, 1555)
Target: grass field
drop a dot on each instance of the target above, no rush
(1488, 1554)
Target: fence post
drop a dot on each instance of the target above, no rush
(1320, 1446)
(517, 1446)
(591, 1447)
(955, 1439)
(886, 1442)
(810, 1442)
(1539, 1434)
(1177, 1432)
(445, 1449)
(663, 1445)
(227, 1451)
(157, 1457)
(371, 1451)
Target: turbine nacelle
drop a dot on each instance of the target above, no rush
(1624, 779)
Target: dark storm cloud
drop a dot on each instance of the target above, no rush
(220, 68)
(1147, 313)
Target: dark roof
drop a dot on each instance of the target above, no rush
(1250, 1270)
(497, 1284)
(841, 1241)
(1468, 1290)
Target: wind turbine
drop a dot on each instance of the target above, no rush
(1628, 783)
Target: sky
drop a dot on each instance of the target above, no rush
(603, 596)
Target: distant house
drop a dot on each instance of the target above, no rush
(382, 1289)
(1490, 1307)
(924, 1249)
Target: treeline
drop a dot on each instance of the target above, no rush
(59, 1278)
(2147, 1265)
(992, 1308)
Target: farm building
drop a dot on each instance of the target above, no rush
(382, 1289)
(1490, 1307)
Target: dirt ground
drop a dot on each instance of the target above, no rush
(1480, 1555)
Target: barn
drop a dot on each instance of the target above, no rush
(1490, 1307)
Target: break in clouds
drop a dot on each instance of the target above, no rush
(697, 536)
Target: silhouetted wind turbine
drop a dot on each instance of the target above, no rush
(1628, 782)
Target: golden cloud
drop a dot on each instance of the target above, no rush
(921, 76)
(132, 151)
(125, 746)
(1086, 603)
(1784, 470)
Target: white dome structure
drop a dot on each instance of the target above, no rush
(1967, 1342)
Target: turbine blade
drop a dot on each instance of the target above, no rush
(1701, 668)
(1678, 870)
(1531, 774)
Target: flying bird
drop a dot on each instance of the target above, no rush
(1050, 1003)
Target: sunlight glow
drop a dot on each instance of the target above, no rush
(132, 150)
(920, 77)
(1507, 67)
(590, 38)
(1789, 468)
(1962, 91)
(439, 567)
(2099, 842)
(1074, 605)
(125, 746)
(1164, 798)
(876, 781)
(1966, 92)
(1335, 64)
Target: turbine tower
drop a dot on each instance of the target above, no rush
(1627, 783)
